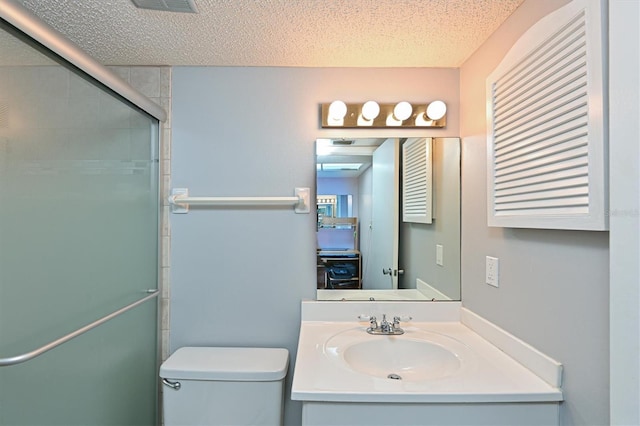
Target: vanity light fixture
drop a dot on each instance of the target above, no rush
(339, 114)
(370, 110)
(436, 110)
(402, 110)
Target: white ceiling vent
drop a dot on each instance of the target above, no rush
(185, 6)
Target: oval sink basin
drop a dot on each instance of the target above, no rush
(414, 356)
(401, 359)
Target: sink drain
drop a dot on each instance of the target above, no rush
(394, 376)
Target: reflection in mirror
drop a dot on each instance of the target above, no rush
(365, 250)
(334, 205)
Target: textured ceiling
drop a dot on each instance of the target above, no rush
(301, 33)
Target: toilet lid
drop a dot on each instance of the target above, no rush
(229, 364)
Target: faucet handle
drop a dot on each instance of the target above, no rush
(397, 319)
(372, 320)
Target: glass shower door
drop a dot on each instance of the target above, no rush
(78, 240)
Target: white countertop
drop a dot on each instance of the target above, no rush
(486, 374)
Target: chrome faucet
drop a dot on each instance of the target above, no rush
(385, 327)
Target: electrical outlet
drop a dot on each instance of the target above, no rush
(492, 271)
(439, 254)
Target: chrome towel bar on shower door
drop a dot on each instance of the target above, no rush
(180, 201)
(36, 352)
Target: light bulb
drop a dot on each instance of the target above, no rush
(370, 110)
(402, 110)
(436, 110)
(337, 110)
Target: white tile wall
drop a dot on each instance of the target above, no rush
(146, 80)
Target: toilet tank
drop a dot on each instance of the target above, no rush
(224, 386)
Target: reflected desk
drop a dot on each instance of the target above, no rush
(339, 269)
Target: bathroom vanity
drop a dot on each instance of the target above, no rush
(449, 366)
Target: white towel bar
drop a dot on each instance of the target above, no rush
(180, 201)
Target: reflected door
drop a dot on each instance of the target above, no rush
(383, 263)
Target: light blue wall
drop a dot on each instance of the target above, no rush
(554, 285)
(238, 276)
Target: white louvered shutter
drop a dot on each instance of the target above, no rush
(417, 180)
(546, 136)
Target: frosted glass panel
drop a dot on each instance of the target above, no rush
(78, 240)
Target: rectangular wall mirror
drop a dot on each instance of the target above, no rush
(365, 249)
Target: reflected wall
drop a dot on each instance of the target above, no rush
(431, 252)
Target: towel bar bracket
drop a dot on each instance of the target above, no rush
(177, 193)
(303, 205)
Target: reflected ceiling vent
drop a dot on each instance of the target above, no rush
(185, 6)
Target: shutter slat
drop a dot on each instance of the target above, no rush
(545, 170)
(558, 160)
(566, 114)
(544, 196)
(554, 211)
(526, 157)
(578, 172)
(547, 140)
(545, 186)
(550, 203)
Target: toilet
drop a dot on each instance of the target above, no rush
(224, 386)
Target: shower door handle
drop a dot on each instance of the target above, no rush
(55, 343)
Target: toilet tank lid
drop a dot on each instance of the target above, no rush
(229, 364)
